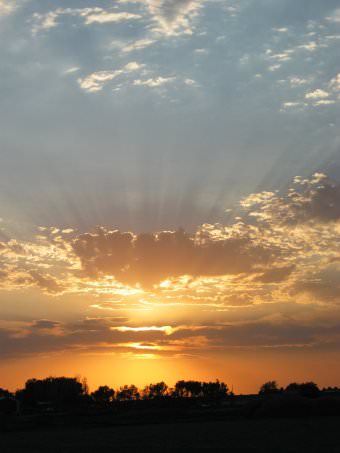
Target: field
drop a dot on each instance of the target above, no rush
(295, 435)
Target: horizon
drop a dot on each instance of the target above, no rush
(271, 385)
(170, 191)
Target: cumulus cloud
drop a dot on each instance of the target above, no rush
(256, 198)
(276, 241)
(312, 202)
(268, 279)
(148, 259)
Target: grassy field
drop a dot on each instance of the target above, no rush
(315, 435)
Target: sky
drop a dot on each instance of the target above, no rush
(170, 191)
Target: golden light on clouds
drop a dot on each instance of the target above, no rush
(168, 330)
(266, 283)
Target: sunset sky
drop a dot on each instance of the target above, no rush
(170, 191)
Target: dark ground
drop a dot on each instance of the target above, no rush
(294, 435)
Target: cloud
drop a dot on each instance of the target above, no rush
(311, 46)
(191, 83)
(275, 241)
(6, 7)
(148, 259)
(168, 330)
(138, 45)
(45, 21)
(297, 81)
(334, 83)
(283, 56)
(45, 324)
(267, 279)
(154, 82)
(325, 102)
(274, 67)
(293, 105)
(95, 82)
(72, 70)
(317, 94)
(275, 275)
(46, 282)
(324, 291)
(315, 202)
(335, 16)
(104, 17)
(321, 285)
(256, 198)
(315, 97)
(171, 17)
(97, 337)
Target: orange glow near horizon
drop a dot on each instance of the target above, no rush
(245, 374)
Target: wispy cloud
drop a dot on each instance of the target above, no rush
(104, 17)
(138, 45)
(45, 21)
(316, 94)
(171, 17)
(335, 16)
(7, 6)
(95, 82)
(154, 82)
(71, 70)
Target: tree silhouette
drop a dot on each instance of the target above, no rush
(153, 391)
(103, 395)
(306, 389)
(214, 390)
(56, 390)
(4, 393)
(128, 393)
(188, 389)
(293, 388)
(268, 388)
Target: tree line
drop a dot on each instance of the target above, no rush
(66, 391)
